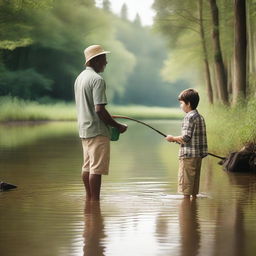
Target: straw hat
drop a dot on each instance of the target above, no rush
(93, 51)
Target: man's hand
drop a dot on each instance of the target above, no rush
(122, 128)
(107, 118)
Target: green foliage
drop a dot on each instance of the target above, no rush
(145, 84)
(42, 52)
(58, 36)
(178, 21)
(106, 5)
(27, 84)
(121, 63)
(137, 20)
(229, 128)
(124, 12)
(184, 60)
(15, 25)
(11, 45)
(173, 18)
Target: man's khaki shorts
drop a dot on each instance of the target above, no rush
(96, 153)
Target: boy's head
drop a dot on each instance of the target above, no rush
(190, 97)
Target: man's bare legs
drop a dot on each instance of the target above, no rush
(95, 185)
(92, 183)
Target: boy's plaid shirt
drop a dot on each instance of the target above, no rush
(194, 135)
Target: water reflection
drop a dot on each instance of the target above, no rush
(15, 135)
(234, 215)
(93, 229)
(189, 227)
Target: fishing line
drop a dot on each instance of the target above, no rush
(164, 135)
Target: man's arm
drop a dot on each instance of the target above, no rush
(107, 119)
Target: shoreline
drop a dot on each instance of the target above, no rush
(18, 111)
(43, 121)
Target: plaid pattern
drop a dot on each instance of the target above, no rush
(194, 135)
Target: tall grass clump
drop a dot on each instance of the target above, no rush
(13, 109)
(230, 128)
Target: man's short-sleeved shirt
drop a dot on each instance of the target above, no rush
(194, 135)
(90, 90)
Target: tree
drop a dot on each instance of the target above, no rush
(137, 20)
(106, 5)
(145, 84)
(182, 22)
(240, 51)
(14, 26)
(251, 14)
(54, 56)
(124, 12)
(205, 53)
(221, 77)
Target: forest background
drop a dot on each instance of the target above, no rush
(42, 45)
(206, 44)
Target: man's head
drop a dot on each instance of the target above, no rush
(95, 57)
(191, 99)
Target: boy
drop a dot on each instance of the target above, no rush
(193, 143)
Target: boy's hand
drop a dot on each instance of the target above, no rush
(177, 139)
(170, 138)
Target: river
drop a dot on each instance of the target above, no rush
(140, 212)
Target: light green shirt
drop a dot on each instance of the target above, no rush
(89, 91)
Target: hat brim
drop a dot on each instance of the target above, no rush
(105, 52)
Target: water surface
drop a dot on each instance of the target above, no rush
(140, 212)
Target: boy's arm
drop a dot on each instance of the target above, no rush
(187, 131)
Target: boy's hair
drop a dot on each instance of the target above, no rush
(190, 96)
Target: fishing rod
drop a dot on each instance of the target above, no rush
(164, 135)
(138, 121)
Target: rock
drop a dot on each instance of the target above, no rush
(6, 186)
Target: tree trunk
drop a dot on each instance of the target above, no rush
(240, 50)
(221, 76)
(205, 53)
(251, 69)
(230, 76)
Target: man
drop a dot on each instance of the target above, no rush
(94, 120)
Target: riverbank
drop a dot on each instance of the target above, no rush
(230, 128)
(15, 110)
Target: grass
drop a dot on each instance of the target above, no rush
(230, 128)
(13, 109)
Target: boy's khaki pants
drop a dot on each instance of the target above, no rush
(189, 175)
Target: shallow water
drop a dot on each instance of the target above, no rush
(140, 212)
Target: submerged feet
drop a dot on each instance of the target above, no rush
(188, 196)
